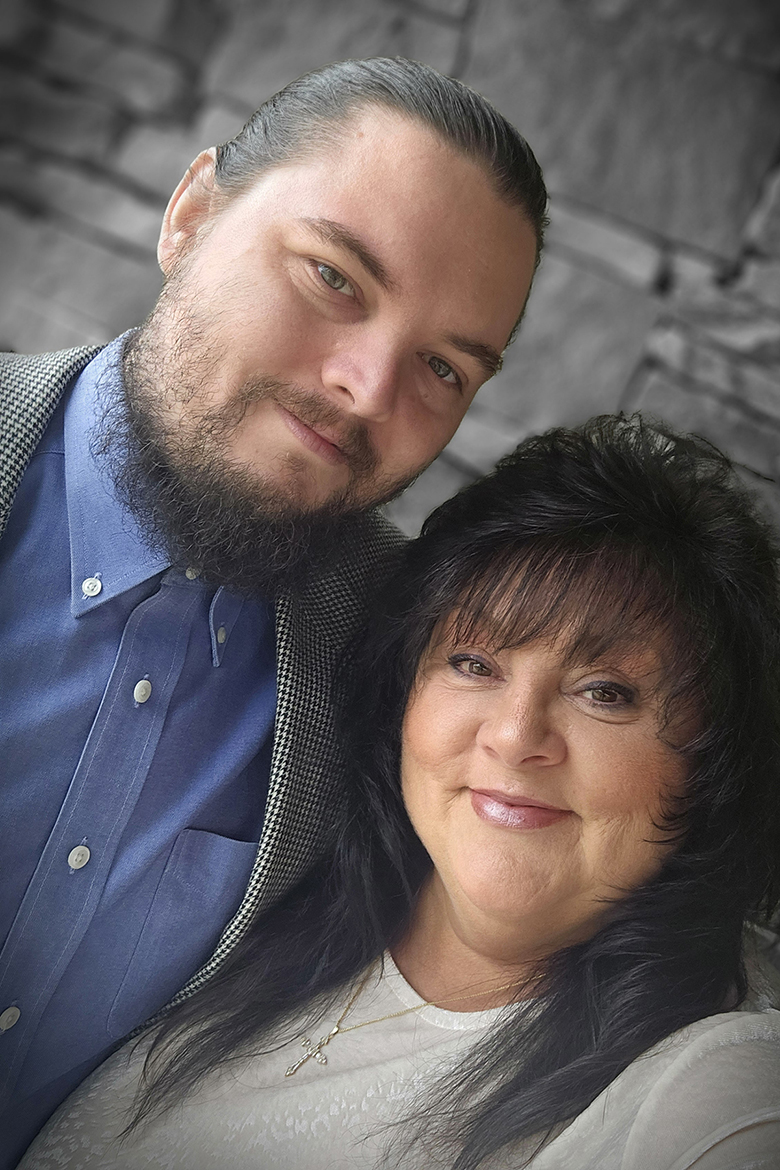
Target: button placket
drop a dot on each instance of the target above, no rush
(169, 623)
(223, 615)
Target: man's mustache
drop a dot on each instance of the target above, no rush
(315, 411)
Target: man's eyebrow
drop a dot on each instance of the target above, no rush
(488, 357)
(336, 233)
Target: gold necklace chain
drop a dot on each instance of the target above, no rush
(316, 1049)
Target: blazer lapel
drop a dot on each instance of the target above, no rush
(308, 765)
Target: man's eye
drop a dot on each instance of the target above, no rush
(335, 280)
(444, 371)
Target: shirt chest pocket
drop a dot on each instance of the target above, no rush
(200, 889)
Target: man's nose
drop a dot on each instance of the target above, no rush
(365, 378)
(522, 731)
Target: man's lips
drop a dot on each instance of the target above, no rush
(515, 812)
(317, 442)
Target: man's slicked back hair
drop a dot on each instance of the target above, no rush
(308, 114)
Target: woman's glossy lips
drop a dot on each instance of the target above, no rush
(312, 439)
(515, 812)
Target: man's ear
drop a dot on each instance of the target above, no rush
(187, 210)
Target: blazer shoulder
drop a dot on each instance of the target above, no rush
(30, 388)
(43, 374)
(336, 600)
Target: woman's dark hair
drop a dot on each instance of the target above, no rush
(309, 114)
(615, 532)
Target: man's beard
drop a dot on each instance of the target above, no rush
(196, 506)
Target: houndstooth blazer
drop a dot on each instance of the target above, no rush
(311, 632)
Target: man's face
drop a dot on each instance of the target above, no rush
(331, 325)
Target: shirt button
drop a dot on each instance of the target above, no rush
(142, 690)
(78, 857)
(91, 586)
(8, 1018)
(191, 573)
(221, 635)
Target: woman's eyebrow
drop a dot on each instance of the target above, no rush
(331, 232)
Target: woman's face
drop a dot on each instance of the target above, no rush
(534, 785)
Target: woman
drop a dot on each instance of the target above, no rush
(532, 950)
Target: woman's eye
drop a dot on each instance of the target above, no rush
(443, 370)
(333, 278)
(473, 666)
(608, 694)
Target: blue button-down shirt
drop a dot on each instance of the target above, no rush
(137, 712)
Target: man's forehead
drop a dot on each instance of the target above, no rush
(376, 142)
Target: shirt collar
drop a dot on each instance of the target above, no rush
(108, 553)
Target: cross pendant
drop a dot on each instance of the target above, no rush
(315, 1051)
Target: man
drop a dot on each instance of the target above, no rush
(190, 538)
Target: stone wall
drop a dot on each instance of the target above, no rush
(657, 124)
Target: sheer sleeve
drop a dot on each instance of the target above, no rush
(717, 1104)
(755, 1148)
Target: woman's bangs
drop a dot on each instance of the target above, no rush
(588, 600)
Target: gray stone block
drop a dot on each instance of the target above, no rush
(581, 339)
(30, 322)
(274, 42)
(145, 81)
(630, 122)
(761, 279)
(613, 248)
(16, 19)
(749, 31)
(440, 481)
(691, 272)
(426, 40)
(58, 289)
(448, 9)
(762, 231)
(735, 323)
(482, 439)
(713, 368)
(34, 324)
(77, 194)
(194, 28)
(141, 18)
(54, 118)
(157, 156)
(754, 443)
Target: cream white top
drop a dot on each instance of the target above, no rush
(707, 1097)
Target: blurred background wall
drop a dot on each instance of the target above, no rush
(657, 123)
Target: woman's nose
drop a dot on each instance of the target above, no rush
(523, 733)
